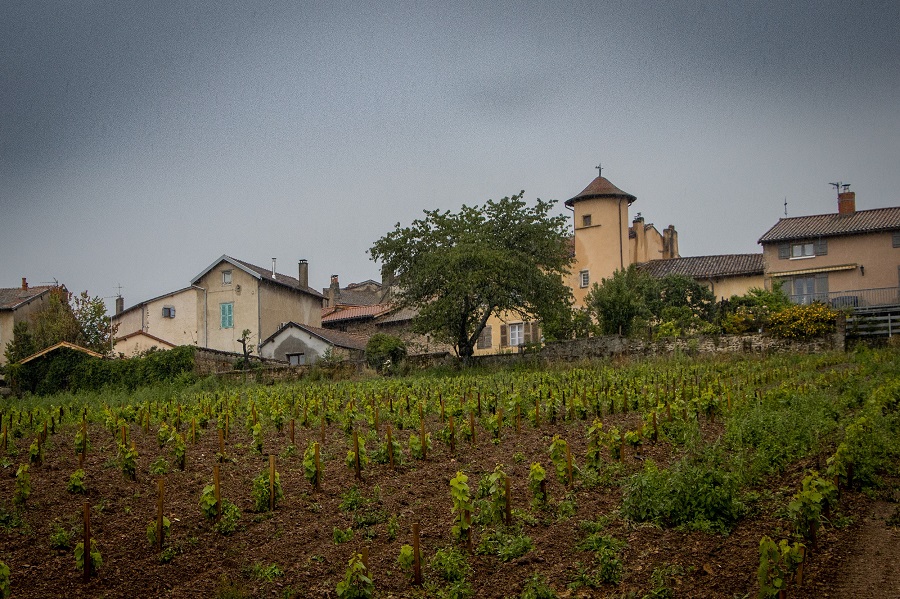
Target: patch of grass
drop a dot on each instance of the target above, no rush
(506, 545)
(266, 572)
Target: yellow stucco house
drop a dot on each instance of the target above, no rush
(226, 298)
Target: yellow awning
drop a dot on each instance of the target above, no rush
(810, 271)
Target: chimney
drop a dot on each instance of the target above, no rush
(273, 268)
(120, 305)
(670, 243)
(846, 202)
(387, 284)
(24, 284)
(303, 273)
(334, 292)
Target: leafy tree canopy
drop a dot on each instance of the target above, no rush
(459, 268)
(81, 320)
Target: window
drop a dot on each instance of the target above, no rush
(802, 250)
(808, 289)
(296, 359)
(168, 311)
(584, 278)
(226, 277)
(484, 339)
(896, 239)
(517, 334)
(226, 311)
(586, 220)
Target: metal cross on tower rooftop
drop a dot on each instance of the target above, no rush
(599, 169)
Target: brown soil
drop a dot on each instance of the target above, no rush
(859, 560)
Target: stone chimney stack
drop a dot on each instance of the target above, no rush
(670, 243)
(303, 273)
(24, 284)
(334, 292)
(387, 284)
(846, 201)
(120, 305)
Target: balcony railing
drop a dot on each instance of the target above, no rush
(854, 298)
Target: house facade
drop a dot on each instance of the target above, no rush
(240, 296)
(19, 304)
(848, 258)
(165, 321)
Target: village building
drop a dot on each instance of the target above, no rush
(19, 304)
(225, 299)
(724, 275)
(163, 322)
(300, 344)
(849, 258)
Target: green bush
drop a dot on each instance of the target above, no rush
(697, 494)
(803, 321)
(385, 353)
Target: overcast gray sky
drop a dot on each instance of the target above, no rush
(139, 141)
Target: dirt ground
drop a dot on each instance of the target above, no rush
(859, 559)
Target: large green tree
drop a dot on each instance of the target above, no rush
(81, 319)
(459, 268)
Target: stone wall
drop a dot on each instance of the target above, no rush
(612, 345)
(211, 361)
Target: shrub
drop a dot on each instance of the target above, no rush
(23, 485)
(76, 482)
(406, 559)
(385, 353)
(260, 491)
(450, 564)
(803, 321)
(5, 588)
(777, 564)
(151, 530)
(536, 587)
(95, 557)
(696, 494)
(357, 583)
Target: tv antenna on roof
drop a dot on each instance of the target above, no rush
(785, 205)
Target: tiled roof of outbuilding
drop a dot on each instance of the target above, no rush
(11, 298)
(337, 314)
(706, 267)
(336, 338)
(834, 224)
(598, 188)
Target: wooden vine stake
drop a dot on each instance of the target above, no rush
(365, 560)
(800, 566)
(124, 437)
(452, 436)
(272, 481)
(322, 429)
(390, 444)
(194, 431)
(292, 431)
(4, 437)
(356, 455)
(221, 442)
(518, 418)
(424, 444)
(508, 501)
(160, 531)
(318, 468)
(87, 541)
(472, 427)
(417, 557)
(83, 454)
(568, 466)
(218, 492)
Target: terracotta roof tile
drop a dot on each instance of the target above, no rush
(598, 188)
(702, 267)
(834, 224)
(266, 273)
(337, 314)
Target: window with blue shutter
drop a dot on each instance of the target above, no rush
(227, 313)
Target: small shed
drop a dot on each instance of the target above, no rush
(300, 344)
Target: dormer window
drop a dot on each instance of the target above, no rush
(226, 277)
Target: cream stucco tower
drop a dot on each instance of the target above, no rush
(601, 234)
